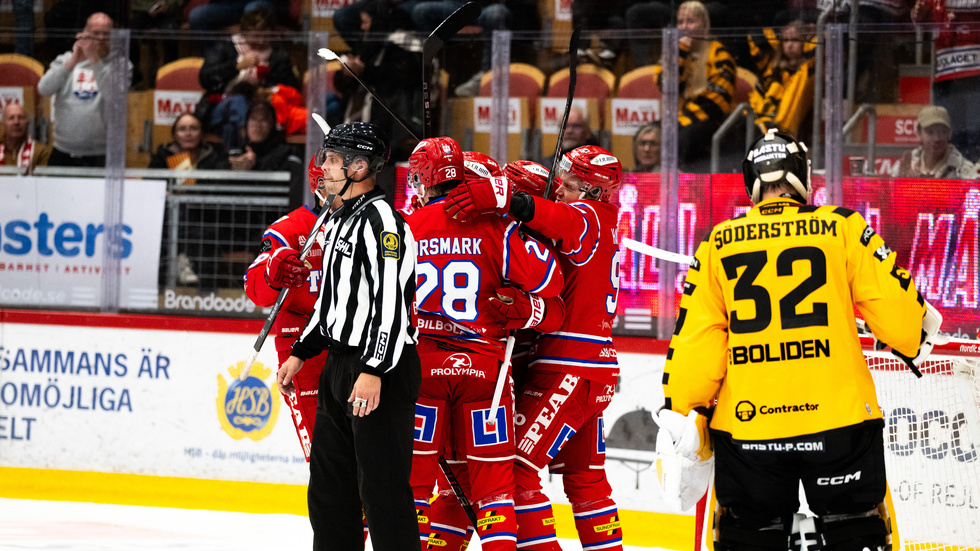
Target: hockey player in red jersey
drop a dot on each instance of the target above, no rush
(574, 369)
(460, 267)
(277, 267)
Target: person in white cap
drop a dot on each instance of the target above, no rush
(935, 157)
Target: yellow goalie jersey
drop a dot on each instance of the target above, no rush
(766, 323)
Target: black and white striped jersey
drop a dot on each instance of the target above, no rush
(368, 284)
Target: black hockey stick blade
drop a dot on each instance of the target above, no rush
(465, 15)
(572, 69)
(458, 490)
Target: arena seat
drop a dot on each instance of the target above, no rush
(640, 83)
(591, 81)
(20, 71)
(526, 81)
(180, 75)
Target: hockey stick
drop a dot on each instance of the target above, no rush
(648, 250)
(330, 55)
(498, 390)
(458, 490)
(465, 15)
(267, 326)
(572, 70)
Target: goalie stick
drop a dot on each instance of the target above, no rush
(649, 250)
(267, 326)
(572, 70)
(465, 15)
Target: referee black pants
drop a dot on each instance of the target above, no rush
(366, 461)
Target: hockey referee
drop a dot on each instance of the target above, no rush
(365, 419)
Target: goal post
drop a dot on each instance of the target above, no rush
(932, 445)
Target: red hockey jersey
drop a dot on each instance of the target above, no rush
(460, 266)
(289, 231)
(585, 234)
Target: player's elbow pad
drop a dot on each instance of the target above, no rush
(521, 207)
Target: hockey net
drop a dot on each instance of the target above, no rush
(932, 445)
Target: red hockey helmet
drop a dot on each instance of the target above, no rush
(477, 166)
(530, 177)
(315, 173)
(598, 169)
(434, 161)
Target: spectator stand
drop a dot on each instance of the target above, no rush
(471, 117)
(593, 86)
(18, 84)
(637, 102)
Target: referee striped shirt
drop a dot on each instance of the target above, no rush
(368, 285)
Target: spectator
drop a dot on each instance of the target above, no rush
(189, 151)
(577, 133)
(707, 82)
(783, 96)
(957, 82)
(265, 145)
(646, 148)
(385, 67)
(643, 15)
(233, 71)
(218, 14)
(62, 15)
(77, 80)
(935, 157)
(152, 15)
(17, 147)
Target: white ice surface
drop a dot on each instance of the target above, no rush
(70, 526)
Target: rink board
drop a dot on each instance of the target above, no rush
(145, 410)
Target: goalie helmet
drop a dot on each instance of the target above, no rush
(315, 174)
(530, 177)
(357, 139)
(777, 158)
(434, 161)
(478, 166)
(598, 169)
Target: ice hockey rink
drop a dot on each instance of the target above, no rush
(71, 526)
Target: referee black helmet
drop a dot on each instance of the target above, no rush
(357, 139)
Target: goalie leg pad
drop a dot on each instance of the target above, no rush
(734, 535)
(854, 532)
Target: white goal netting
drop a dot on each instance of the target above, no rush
(932, 449)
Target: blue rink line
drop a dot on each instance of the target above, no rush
(72, 526)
